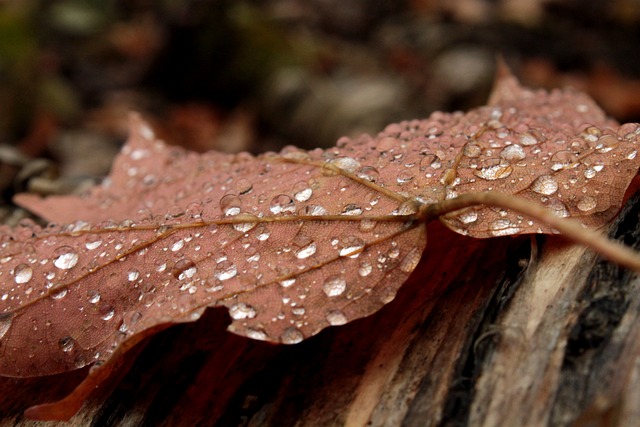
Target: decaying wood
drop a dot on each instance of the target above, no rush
(486, 332)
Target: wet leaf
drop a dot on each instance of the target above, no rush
(294, 242)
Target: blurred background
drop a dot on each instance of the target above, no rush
(255, 75)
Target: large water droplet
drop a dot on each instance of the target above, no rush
(369, 173)
(468, 217)
(184, 269)
(545, 184)
(65, 257)
(351, 246)
(230, 205)
(242, 311)
(494, 172)
(302, 191)
(346, 163)
(587, 203)
(282, 204)
(225, 270)
(336, 318)
(22, 273)
(513, 153)
(334, 286)
(256, 334)
(304, 247)
(291, 336)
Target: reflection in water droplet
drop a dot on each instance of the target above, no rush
(65, 257)
(587, 203)
(528, 139)
(242, 311)
(558, 208)
(291, 336)
(336, 318)
(22, 273)
(93, 242)
(177, 245)
(334, 286)
(589, 173)
(472, 150)
(184, 269)
(561, 160)
(225, 270)
(545, 184)
(282, 204)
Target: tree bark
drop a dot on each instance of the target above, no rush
(501, 332)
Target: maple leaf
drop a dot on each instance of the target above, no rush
(294, 242)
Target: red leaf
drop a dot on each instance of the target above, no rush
(297, 241)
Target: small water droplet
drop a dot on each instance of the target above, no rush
(334, 286)
(250, 224)
(256, 334)
(346, 163)
(558, 208)
(468, 217)
(365, 269)
(561, 160)
(93, 296)
(133, 275)
(472, 150)
(491, 173)
(545, 184)
(225, 270)
(93, 241)
(352, 209)
(243, 186)
(314, 210)
(263, 233)
(184, 269)
(503, 227)
(177, 245)
(282, 204)
(528, 139)
(285, 283)
(65, 257)
(369, 173)
(304, 247)
(587, 203)
(58, 294)
(66, 344)
(22, 273)
(291, 336)
(336, 318)
(242, 311)
(230, 205)
(404, 177)
(410, 260)
(590, 173)
(302, 192)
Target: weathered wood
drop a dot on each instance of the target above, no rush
(483, 334)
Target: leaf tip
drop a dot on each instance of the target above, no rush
(506, 86)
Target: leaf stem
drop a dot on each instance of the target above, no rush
(598, 242)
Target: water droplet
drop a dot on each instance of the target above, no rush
(404, 177)
(545, 184)
(107, 312)
(430, 161)
(298, 311)
(66, 344)
(513, 153)
(336, 318)
(184, 269)
(561, 160)
(334, 286)
(5, 323)
(351, 246)
(410, 260)
(230, 205)
(250, 224)
(369, 173)
(630, 154)
(133, 275)
(263, 233)
(22, 273)
(65, 257)
(243, 186)
(503, 227)
(291, 336)
(285, 283)
(587, 203)
(93, 296)
(528, 139)
(365, 269)
(346, 163)
(256, 334)
(558, 208)
(468, 217)
(282, 204)
(93, 241)
(58, 294)
(492, 173)
(225, 270)
(472, 150)
(590, 173)
(177, 245)
(314, 210)
(352, 209)
(302, 192)
(242, 311)
(304, 247)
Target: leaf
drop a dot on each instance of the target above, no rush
(294, 242)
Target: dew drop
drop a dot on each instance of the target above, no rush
(93, 296)
(22, 273)
(133, 275)
(107, 312)
(587, 203)
(334, 286)
(230, 205)
(59, 293)
(472, 150)
(282, 204)
(590, 173)
(184, 269)
(314, 210)
(225, 270)
(242, 311)
(304, 247)
(558, 208)
(244, 186)
(65, 257)
(503, 227)
(404, 177)
(336, 318)
(513, 153)
(410, 260)
(369, 173)
(263, 234)
(66, 344)
(256, 334)
(561, 160)
(346, 163)
(243, 227)
(93, 242)
(291, 336)
(528, 139)
(351, 247)
(352, 209)
(491, 173)
(5, 323)
(177, 245)
(285, 283)
(468, 217)
(545, 184)
(365, 269)
(302, 192)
